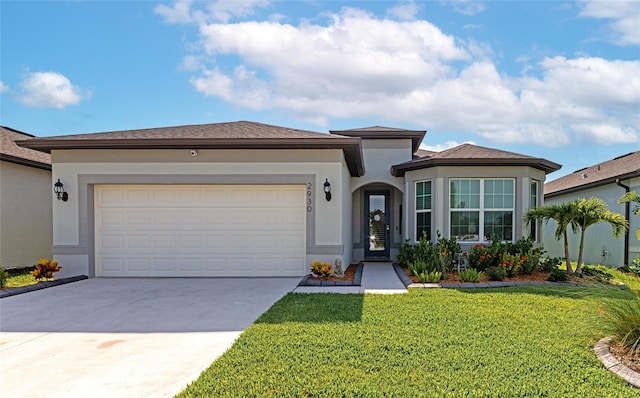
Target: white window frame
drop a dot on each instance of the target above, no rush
(482, 210)
(416, 211)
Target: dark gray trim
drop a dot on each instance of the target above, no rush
(547, 166)
(63, 250)
(25, 162)
(337, 250)
(594, 184)
(416, 136)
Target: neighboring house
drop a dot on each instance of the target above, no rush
(250, 199)
(25, 202)
(607, 181)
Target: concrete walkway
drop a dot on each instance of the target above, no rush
(377, 278)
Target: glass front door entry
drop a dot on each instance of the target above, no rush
(377, 224)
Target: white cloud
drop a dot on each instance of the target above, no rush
(468, 7)
(360, 66)
(624, 16)
(50, 90)
(405, 11)
(183, 12)
(444, 146)
(3, 87)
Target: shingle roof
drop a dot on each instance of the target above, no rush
(380, 132)
(232, 135)
(622, 167)
(13, 153)
(473, 155)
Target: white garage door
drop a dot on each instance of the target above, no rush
(200, 230)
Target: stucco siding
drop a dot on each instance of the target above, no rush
(600, 247)
(25, 215)
(81, 170)
(379, 156)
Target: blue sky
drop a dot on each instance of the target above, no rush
(554, 79)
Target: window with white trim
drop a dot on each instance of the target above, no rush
(481, 209)
(533, 233)
(423, 209)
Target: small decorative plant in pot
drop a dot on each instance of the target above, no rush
(45, 268)
(321, 269)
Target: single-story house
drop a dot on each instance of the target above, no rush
(608, 181)
(251, 199)
(25, 202)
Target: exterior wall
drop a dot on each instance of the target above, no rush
(600, 247)
(440, 207)
(80, 170)
(379, 155)
(25, 214)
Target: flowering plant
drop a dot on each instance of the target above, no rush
(321, 269)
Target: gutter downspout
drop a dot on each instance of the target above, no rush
(627, 210)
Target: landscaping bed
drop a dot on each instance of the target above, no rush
(352, 277)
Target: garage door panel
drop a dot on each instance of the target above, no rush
(200, 230)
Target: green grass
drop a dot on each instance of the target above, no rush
(513, 342)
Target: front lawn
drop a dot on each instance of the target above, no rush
(509, 342)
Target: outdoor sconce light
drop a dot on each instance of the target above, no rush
(327, 189)
(58, 188)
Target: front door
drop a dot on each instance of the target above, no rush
(377, 224)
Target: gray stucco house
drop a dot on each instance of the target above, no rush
(609, 181)
(251, 199)
(25, 202)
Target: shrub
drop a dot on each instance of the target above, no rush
(45, 269)
(548, 264)
(623, 319)
(512, 264)
(557, 275)
(481, 258)
(496, 273)
(448, 249)
(406, 253)
(430, 277)
(470, 275)
(4, 276)
(601, 275)
(321, 269)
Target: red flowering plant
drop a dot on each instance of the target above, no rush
(512, 263)
(482, 257)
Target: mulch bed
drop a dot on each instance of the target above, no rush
(453, 277)
(623, 354)
(349, 274)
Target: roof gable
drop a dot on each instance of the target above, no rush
(621, 167)
(10, 152)
(385, 133)
(472, 155)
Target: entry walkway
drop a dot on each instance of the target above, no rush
(377, 278)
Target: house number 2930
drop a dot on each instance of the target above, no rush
(309, 193)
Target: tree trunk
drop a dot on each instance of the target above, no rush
(579, 266)
(566, 253)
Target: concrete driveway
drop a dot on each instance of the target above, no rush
(124, 337)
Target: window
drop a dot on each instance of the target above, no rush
(482, 209)
(423, 209)
(533, 233)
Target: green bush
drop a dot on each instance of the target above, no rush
(4, 276)
(623, 319)
(548, 264)
(496, 273)
(558, 275)
(431, 277)
(406, 253)
(470, 275)
(600, 274)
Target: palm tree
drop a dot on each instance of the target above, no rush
(629, 197)
(564, 214)
(592, 211)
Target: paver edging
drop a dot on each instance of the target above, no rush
(612, 364)
(357, 278)
(12, 291)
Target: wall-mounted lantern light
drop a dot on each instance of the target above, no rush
(58, 188)
(327, 189)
